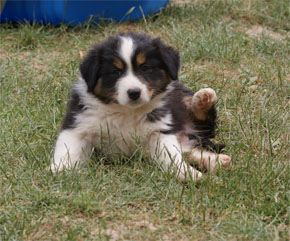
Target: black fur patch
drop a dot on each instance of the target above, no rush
(98, 66)
(74, 107)
(174, 102)
(170, 58)
(157, 114)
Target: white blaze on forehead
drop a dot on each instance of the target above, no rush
(126, 50)
(129, 80)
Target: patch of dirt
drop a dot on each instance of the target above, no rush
(43, 231)
(117, 232)
(113, 234)
(257, 31)
(145, 224)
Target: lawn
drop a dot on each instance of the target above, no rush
(239, 48)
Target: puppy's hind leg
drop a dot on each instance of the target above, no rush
(208, 160)
(202, 101)
(167, 152)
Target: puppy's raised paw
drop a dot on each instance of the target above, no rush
(204, 99)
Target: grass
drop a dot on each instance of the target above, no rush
(133, 200)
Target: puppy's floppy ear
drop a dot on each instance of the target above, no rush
(170, 58)
(90, 67)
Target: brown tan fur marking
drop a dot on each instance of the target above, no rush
(118, 63)
(150, 92)
(97, 88)
(140, 59)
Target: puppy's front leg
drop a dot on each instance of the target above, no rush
(70, 151)
(165, 148)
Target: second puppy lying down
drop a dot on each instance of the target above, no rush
(128, 89)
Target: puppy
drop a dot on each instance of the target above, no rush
(128, 91)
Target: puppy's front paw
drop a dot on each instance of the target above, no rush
(54, 167)
(204, 99)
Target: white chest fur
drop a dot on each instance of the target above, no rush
(118, 130)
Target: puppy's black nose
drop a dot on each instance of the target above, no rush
(134, 94)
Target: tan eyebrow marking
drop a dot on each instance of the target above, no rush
(140, 59)
(118, 63)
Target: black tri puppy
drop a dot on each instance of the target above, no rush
(128, 90)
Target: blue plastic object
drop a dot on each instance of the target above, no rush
(74, 12)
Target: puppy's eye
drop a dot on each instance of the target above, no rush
(116, 72)
(145, 68)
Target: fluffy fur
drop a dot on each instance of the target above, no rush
(128, 90)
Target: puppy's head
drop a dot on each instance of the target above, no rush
(129, 69)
